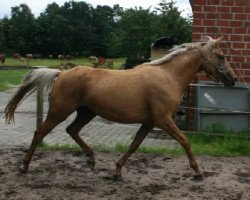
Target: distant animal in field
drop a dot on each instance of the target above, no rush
(37, 56)
(16, 55)
(93, 59)
(61, 57)
(19, 57)
(29, 56)
(67, 66)
(2, 58)
(69, 57)
(22, 59)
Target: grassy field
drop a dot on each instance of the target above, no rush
(15, 77)
(55, 63)
(9, 78)
(202, 144)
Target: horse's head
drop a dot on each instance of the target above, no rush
(215, 62)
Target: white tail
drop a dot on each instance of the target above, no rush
(38, 78)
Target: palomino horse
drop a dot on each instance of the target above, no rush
(149, 94)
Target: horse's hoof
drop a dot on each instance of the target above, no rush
(117, 178)
(198, 177)
(23, 170)
(91, 164)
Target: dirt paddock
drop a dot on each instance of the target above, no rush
(65, 175)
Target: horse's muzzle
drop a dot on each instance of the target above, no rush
(230, 82)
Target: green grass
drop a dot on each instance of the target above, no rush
(122, 148)
(9, 78)
(202, 144)
(55, 63)
(220, 145)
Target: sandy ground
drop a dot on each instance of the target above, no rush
(65, 175)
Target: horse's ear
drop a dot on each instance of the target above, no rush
(217, 42)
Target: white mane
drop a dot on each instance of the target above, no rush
(175, 51)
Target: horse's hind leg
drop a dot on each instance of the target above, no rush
(140, 136)
(84, 116)
(170, 127)
(45, 128)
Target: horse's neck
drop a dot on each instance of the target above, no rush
(184, 67)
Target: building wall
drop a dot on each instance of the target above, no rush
(230, 19)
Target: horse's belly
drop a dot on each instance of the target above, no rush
(124, 117)
(122, 113)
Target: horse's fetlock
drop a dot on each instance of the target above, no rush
(25, 161)
(91, 163)
(118, 165)
(90, 154)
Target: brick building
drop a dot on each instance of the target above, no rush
(230, 19)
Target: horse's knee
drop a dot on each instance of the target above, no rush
(69, 129)
(73, 128)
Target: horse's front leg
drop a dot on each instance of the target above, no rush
(140, 136)
(169, 126)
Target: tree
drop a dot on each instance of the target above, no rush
(22, 29)
(137, 31)
(5, 41)
(172, 23)
(66, 29)
(51, 31)
(2, 38)
(103, 24)
(79, 29)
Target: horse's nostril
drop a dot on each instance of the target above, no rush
(235, 79)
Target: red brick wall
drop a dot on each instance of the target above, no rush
(230, 19)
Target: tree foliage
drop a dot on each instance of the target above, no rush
(22, 30)
(79, 29)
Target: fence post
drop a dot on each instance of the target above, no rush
(39, 107)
